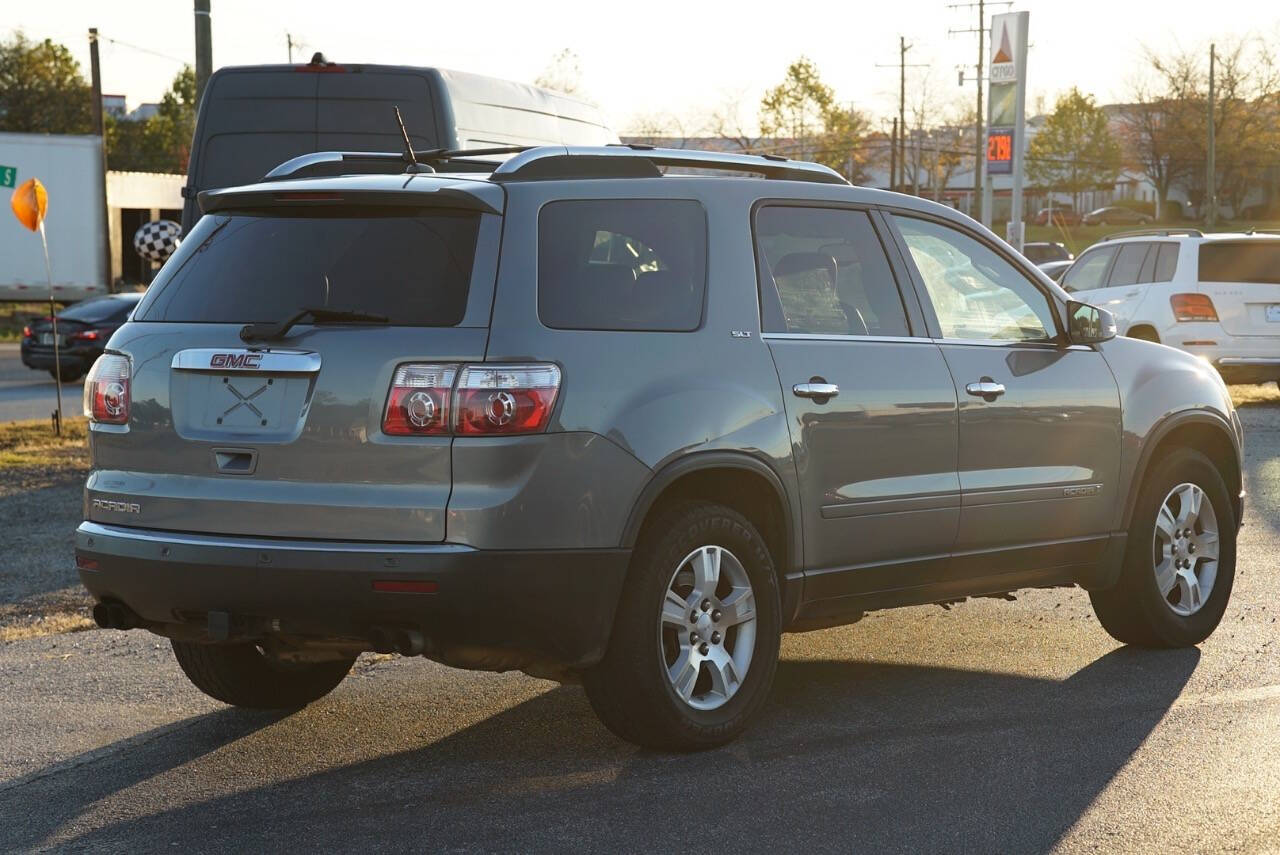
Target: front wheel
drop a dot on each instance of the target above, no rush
(695, 642)
(243, 676)
(1180, 560)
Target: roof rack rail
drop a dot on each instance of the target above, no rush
(348, 162)
(1256, 231)
(637, 160)
(1155, 233)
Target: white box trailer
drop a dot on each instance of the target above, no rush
(70, 167)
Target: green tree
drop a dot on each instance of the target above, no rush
(161, 143)
(1075, 150)
(804, 109)
(41, 89)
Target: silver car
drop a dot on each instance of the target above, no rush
(583, 416)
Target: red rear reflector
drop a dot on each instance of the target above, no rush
(404, 586)
(86, 563)
(1193, 307)
(418, 403)
(506, 399)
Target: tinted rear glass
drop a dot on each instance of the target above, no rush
(625, 264)
(414, 267)
(1240, 262)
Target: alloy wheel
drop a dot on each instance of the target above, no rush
(1185, 549)
(707, 629)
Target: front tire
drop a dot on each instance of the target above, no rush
(1180, 560)
(695, 641)
(243, 676)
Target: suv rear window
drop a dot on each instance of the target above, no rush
(412, 266)
(1240, 262)
(628, 264)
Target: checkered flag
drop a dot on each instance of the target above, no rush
(157, 240)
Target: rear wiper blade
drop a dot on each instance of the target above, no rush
(318, 314)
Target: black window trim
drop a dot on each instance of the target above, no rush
(1141, 264)
(916, 323)
(706, 271)
(1006, 252)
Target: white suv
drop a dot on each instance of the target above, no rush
(1216, 296)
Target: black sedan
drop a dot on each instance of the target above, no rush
(83, 330)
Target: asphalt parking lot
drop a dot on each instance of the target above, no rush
(991, 727)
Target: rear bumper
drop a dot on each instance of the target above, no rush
(1249, 369)
(553, 605)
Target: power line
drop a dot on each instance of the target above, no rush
(141, 49)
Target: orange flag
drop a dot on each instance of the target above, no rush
(29, 203)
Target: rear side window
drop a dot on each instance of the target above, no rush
(622, 264)
(1258, 261)
(824, 272)
(1086, 274)
(1128, 264)
(411, 266)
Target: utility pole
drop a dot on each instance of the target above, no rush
(1211, 189)
(893, 155)
(288, 39)
(204, 47)
(100, 128)
(980, 144)
(900, 146)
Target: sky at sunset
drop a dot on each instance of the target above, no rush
(654, 58)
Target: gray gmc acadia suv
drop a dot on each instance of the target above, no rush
(583, 416)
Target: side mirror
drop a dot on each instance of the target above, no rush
(1088, 324)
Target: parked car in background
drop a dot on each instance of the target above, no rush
(1116, 216)
(83, 330)
(1055, 269)
(1063, 215)
(539, 419)
(1216, 296)
(1038, 252)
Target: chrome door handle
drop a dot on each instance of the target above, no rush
(815, 390)
(986, 389)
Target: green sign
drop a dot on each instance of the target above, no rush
(8, 176)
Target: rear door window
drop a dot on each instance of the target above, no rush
(1089, 270)
(824, 272)
(411, 266)
(1258, 261)
(1128, 264)
(622, 264)
(1166, 262)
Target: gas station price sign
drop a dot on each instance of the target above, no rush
(1000, 151)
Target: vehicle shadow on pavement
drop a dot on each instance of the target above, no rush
(849, 755)
(35, 806)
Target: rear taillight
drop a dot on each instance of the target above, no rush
(1193, 307)
(506, 399)
(106, 392)
(27, 333)
(486, 400)
(418, 404)
(85, 335)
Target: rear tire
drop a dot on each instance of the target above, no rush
(1135, 611)
(241, 675)
(634, 688)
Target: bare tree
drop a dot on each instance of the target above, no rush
(726, 122)
(562, 74)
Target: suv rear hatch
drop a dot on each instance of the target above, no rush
(283, 436)
(1243, 280)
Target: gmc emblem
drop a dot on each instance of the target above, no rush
(235, 360)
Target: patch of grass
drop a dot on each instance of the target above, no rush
(36, 626)
(32, 457)
(1263, 394)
